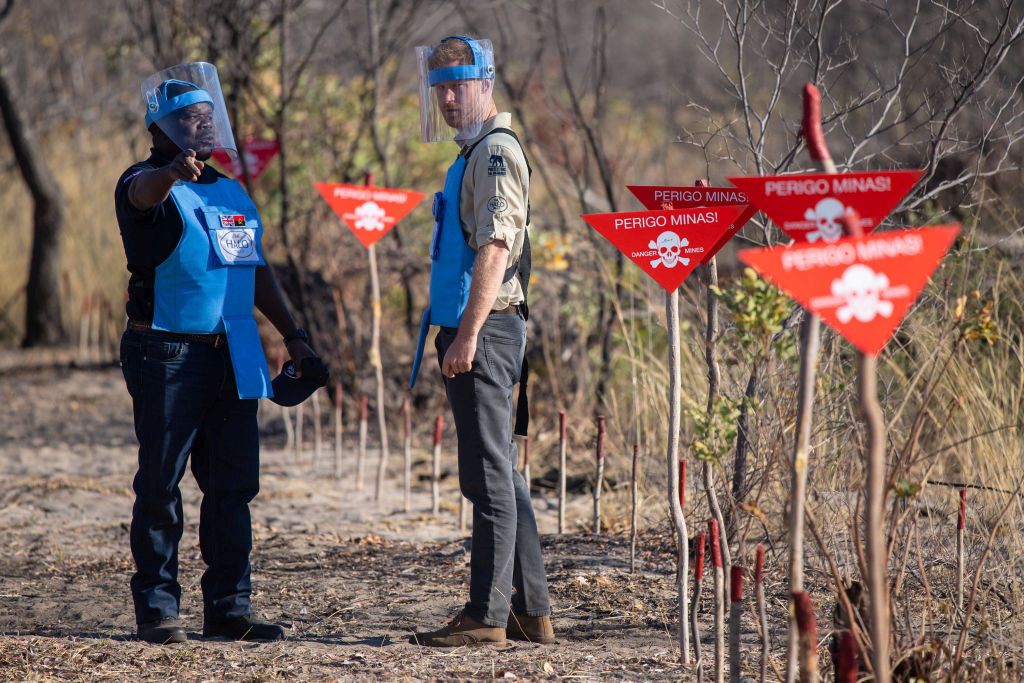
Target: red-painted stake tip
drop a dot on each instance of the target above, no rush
(716, 550)
(805, 621)
(811, 129)
(364, 409)
(698, 565)
(962, 518)
(759, 565)
(849, 668)
(526, 450)
(851, 223)
(736, 584)
(682, 484)
(438, 428)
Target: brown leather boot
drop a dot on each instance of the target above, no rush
(530, 629)
(462, 631)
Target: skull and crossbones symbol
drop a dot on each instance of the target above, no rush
(827, 216)
(861, 290)
(370, 216)
(669, 245)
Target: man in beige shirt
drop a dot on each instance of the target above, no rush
(478, 281)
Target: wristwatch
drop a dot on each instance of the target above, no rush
(299, 333)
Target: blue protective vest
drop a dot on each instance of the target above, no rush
(207, 284)
(451, 262)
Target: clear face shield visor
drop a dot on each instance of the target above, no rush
(186, 103)
(455, 97)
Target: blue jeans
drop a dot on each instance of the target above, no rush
(185, 403)
(506, 552)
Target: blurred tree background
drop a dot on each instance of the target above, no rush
(604, 94)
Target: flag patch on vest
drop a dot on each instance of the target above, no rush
(232, 220)
(496, 165)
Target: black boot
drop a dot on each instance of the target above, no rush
(247, 627)
(162, 631)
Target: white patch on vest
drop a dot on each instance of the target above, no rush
(238, 246)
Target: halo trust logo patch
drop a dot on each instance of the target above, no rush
(497, 205)
(237, 243)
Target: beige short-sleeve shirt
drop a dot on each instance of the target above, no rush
(495, 195)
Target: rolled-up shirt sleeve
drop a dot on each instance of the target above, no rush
(501, 186)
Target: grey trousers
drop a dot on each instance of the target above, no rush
(506, 552)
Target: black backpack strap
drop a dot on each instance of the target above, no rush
(522, 269)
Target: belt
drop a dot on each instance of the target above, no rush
(514, 308)
(217, 341)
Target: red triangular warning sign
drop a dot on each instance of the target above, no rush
(668, 245)
(862, 287)
(368, 211)
(258, 155)
(810, 207)
(661, 197)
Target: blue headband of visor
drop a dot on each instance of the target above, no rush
(482, 66)
(158, 105)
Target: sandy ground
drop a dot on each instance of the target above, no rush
(350, 578)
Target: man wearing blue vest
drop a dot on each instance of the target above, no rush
(192, 358)
(478, 281)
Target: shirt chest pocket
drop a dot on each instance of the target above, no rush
(235, 237)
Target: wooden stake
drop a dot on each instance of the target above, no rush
(634, 489)
(735, 612)
(562, 446)
(809, 342)
(961, 523)
(714, 375)
(338, 429)
(378, 367)
(698, 582)
(299, 445)
(286, 413)
(848, 669)
(526, 461)
(463, 513)
(762, 611)
(807, 628)
(83, 330)
(407, 453)
(599, 477)
(364, 415)
(318, 437)
(874, 520)
(675, 509)
(94, 329)
(716, 560)
(435, 479)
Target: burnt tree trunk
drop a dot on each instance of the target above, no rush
(44, 324)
